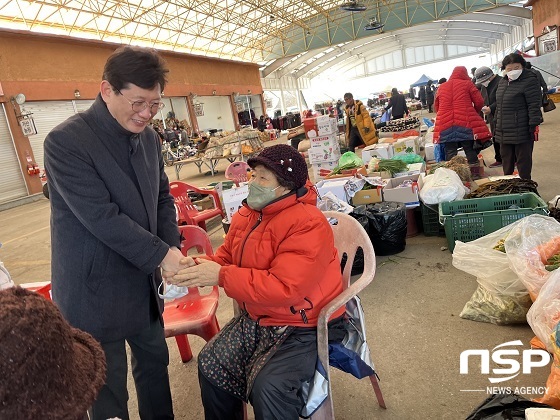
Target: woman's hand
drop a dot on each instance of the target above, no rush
(205, 273)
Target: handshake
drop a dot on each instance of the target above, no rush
(188, 271)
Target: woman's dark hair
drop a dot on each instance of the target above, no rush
(289, 185)
(512, 59)
(142, 67)
(394, 91)
(442, 80)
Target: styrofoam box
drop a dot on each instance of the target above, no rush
(413, 169)
(429, 151)
(325, 141)
(320, 126)
(232, 198)
(336, 186)
(324, 154)
(322, 165)
(405, 146)
(381, 150)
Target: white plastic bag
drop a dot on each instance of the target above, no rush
(545, 312)
(442, 186)
(532, 240)
(330, 202)
(501, 297)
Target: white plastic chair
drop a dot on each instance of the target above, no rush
(348, 236)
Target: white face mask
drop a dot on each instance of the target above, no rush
(485, 84)
(514, 74)
(172, 291)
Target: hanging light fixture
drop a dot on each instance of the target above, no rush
(353, 6)
(374, 25)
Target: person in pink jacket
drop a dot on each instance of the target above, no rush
(458, 122)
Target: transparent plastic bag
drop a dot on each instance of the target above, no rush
(532, 240)
(442, 186)
(330, 202)
(544, 315)
(501, 297)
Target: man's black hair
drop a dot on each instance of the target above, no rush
(142, 67)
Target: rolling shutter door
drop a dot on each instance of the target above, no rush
(83, 104)
(47, 115)
(12, 184)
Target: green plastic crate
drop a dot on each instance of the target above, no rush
(430, 220)
(467, 220)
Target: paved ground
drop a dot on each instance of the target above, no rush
(411, 308)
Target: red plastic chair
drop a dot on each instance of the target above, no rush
(238, 172)
(43, 288)
(187, 213)
(193, 313)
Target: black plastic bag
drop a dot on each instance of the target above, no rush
(386, 226)
(503, 406)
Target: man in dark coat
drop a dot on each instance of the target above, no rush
(488, 82)
(430, 95)
(398, 104)
(113, 225)
(518, 114)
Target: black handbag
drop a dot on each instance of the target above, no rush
(547, 103)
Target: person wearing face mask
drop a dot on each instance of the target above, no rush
(517, 116)
(280, 265)
(488, 82)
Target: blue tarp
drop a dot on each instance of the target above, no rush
(423, 81)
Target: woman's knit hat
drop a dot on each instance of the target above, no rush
(48, 369)
(284, 161)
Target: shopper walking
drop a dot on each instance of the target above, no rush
(430, 96)
(458, 123)
(488, 82)
(113, 225)
(539, 75)
(518, 114)
(398, 104)
(359, 125)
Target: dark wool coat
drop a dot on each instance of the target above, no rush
(518, 107)
(458, 104)
(112, 223)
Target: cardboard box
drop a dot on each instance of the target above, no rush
(232, 198)
(322, 167)
(407, 195)
(336, 186)
(413, 169)
(381, 150)
(320, 126)
(374, 195)
(204, 204)
(382, 174)
(405, 146)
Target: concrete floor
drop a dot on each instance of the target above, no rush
(412, 309)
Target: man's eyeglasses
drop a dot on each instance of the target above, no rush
(139, 106)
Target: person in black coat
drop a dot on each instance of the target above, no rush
(518, 114)
(261, 124)
(539, 75)
(430, 95)
(113, 227)
(488, 82)
(398, 104)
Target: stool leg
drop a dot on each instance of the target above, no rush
(377, 391)
(184, 347)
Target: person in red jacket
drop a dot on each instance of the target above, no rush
(458, 122)
(280, 265)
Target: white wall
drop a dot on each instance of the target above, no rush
(217, 113)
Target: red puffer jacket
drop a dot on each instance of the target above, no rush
(280, 261)
(458, 104)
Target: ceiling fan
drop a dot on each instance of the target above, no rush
(353, 6)
(373, 25)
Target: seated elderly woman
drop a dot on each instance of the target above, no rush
(280, 265)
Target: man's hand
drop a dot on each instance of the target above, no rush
(206, 273)
(485, 110)
(172, 262)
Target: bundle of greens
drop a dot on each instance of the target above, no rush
(553, 263)
(389, 165)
